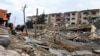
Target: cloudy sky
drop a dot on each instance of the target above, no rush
(50, 6)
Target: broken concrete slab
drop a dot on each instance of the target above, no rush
(6, 52)
(59, 52)
(82, 52)
(96, 51)
(4, 41)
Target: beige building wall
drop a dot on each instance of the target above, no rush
(84, 18)
(47, 18)
(71, 18)
(74, 17)
(52, 17)
(67, 17)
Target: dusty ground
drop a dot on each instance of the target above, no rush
(19, 45)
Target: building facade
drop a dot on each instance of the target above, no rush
(71, 18)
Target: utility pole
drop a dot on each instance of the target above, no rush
(36, 21)
(24, 18)
(14, 20)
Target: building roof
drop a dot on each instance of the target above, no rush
(68, 12)
(90, 10)
(71, 12)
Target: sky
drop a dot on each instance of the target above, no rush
(48, 6)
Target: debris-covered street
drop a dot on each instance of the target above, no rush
(49, 33)
(66, 43)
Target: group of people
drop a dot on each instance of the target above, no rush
(15, 30)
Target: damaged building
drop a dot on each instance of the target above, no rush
(76, 20)
(71, 18)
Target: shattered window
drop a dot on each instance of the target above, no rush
(68, 14)
(85, 18)
(73, 23)
(73, 18)
(53, 15)
(93, 12)
(86, 12)
(68, 19)
(45, 15)
(73, 13)
(80, 16)
(84, 22)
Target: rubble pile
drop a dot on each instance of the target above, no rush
(19, 46)
(72, 41)
(67, 47)
(7, 52)
(4, 37)
(66, 43)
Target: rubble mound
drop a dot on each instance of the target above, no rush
(4, 41)
(67, 47)
(4, 37)
(19, 46)
(5, 52)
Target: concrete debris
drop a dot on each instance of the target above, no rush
(76, 41)
(4, 37)
(12, 53)
(23, 54)
(83, 52)
(5, 52)
(59, 52)
(96, 51)
(67, 47)
(4, 41)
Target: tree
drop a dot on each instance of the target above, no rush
(41, 19)
(29, 24)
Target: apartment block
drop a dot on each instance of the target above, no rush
(71, 18)
(86, 14)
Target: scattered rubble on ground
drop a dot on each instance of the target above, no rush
(67, 43)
